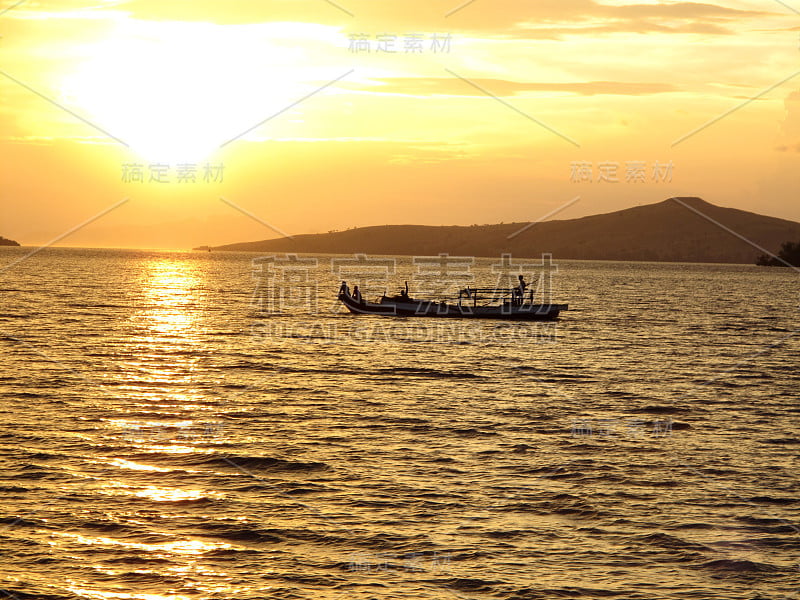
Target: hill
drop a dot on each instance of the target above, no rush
(7, 242)
(672, 230)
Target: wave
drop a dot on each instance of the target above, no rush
(739, 566)
(233, 461)
(565, 592)
(781, 441)
(27, 395)
(265, 463)
(668, 483)
(391, 373)
(663, 540)
(470, 585)
(111, 527)
(138, 560)
(239, 533)
(763, 521)
(20, 595)
(660, 409)
(693, 526)
(36, 474)
(232, 553)
(787, 543)
(772, 500)
(19, 522)
(472, 432)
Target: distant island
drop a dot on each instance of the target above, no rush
(788, 256)
(675, 230)
(7, 242)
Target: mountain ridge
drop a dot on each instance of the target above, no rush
(680, 229)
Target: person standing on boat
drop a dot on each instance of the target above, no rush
(357, 294)
(344, 289)
(520, 291)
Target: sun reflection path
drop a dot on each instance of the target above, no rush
(171, 295)
(166, 340)
(163, 408)
(185, 547)
(98, 595)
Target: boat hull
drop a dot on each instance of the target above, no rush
(389, 307)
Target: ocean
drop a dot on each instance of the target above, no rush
(213, 426)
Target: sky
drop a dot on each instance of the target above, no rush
(151, 124)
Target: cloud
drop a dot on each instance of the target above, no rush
(452, 86)
(593, 18)
(552, 19)
(509, 19)
(640, 26)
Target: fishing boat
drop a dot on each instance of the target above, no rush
(471, 303)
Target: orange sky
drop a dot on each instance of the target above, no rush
(329, 115)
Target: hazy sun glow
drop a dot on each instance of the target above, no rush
(324, 127)
(176, 93)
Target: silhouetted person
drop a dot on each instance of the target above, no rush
(357, 294)
(520, 291)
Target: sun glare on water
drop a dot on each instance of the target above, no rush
(171, 293)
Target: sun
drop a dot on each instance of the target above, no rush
(176, 92)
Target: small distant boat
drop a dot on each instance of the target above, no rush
(471, 303)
